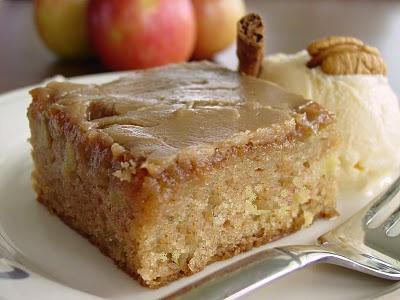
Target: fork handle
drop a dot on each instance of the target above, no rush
(250, 273)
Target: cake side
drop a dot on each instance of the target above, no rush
(207, 202)
(73, 176)
(276, 189)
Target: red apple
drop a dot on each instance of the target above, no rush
(63, 27)
(216, 25)
(132, 34)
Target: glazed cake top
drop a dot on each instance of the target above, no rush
(157, 113)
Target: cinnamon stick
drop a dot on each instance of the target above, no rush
(250, 44)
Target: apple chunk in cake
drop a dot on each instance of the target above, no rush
(169, 169)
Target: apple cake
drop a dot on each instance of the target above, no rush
(169, 169)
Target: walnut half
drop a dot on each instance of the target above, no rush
(340, 55)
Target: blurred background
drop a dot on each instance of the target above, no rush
(291, 25)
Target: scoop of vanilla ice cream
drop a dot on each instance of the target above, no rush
(366, 108)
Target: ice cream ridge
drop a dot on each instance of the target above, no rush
(349, 78)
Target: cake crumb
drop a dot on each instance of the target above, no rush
(162, 257)
(175, 256)
(258, 188)
(117, 150)
(302, 196)
(308, 219)
(251, 206)
(127, 170)
(284, 193)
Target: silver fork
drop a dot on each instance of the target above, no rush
(354, 244)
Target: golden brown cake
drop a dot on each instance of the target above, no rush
(169, 169)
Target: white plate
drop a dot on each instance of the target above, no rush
(60, 264)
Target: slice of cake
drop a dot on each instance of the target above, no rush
(170, 169)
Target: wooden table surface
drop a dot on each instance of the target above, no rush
(290, 26)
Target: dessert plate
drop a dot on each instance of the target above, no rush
(44, 259)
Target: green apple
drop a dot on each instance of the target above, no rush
(62, 26)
